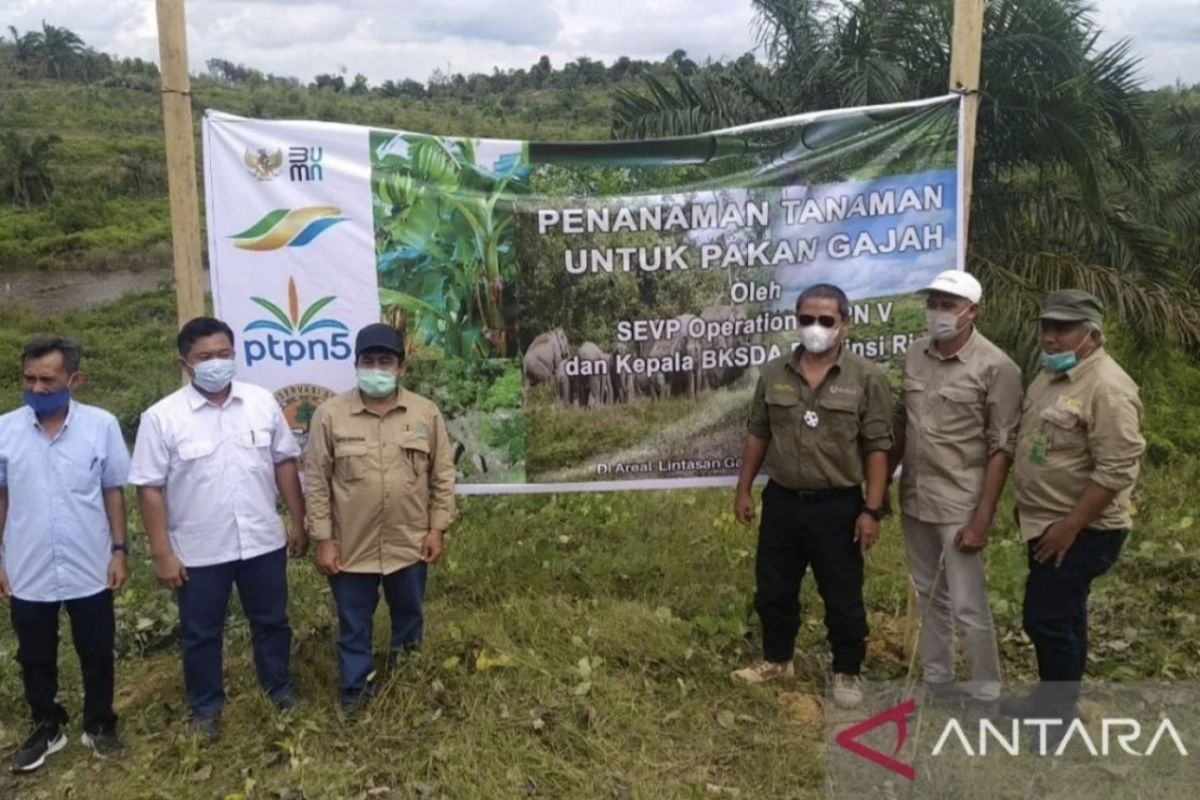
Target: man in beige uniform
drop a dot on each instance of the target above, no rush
(955, 432)
(820, 423)
(1078, 454)
(380, 479)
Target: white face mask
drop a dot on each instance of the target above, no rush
(943, 325)
(817, 338)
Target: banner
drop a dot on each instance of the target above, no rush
(588, 316)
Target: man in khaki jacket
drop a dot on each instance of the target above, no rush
(956, 426)
(1078, 453)
(380, 479)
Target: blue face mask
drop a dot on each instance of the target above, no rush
(47, 404)
(1060, 362)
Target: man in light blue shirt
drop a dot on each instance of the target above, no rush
(63, 466)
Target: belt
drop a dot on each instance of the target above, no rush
(817, 496)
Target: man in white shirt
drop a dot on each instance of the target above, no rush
(62, 522)
(210, 462)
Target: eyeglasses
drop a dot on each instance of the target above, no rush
(824, 320)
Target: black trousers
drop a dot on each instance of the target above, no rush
(93, 628)
(1055, 613)
(799, 531)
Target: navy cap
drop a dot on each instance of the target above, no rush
(378, 336)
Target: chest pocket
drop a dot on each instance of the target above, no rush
(838, 415)
(256, 447)
(782, 407)
(350, 461)
(195, 456)
(81, 471)
(957, 412)
(414, 457)
(1064, 430)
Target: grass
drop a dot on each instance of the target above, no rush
(577, 646)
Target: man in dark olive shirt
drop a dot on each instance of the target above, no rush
(819, 423)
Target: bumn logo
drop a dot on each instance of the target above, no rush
(262, 163)
(304, 164)
(293, 336)
(285, 227)
(898, 716)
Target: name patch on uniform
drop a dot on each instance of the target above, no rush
(1072, 404)
(783, 387)
(349, 438)
(836, 389)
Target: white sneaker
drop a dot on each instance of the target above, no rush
(847, 693)
(764, 671)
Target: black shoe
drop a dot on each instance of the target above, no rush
(285, 701)
(208, 729)
(45, 740)
(356, 701)
(103, 744)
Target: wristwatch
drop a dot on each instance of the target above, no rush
(120, 548)
(875, 513)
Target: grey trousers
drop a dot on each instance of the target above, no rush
(951, 597)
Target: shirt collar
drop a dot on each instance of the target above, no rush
(357, 406)
(1083, 367)
(33, 420)
(197, 401)
(964, 352)
(794, 361)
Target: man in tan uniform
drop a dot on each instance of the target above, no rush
(955, 432)
(380, 479)
(1078, 454)
(820, 423)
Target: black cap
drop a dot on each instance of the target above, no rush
(378, 336)
(1073, 305)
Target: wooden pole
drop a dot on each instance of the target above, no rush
(181, 160)
(966, 55)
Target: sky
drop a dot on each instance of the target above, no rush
(395, 39)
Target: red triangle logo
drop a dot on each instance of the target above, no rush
(897, 716)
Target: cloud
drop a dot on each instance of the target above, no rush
(507, 22)
(386, 39)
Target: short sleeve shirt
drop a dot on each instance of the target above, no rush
(217, 467)
(57, 541)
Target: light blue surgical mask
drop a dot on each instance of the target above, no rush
(214, 375)
(376, 382)
(1062, 362)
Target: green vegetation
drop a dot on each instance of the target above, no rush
(579, 646)
(1082, 178)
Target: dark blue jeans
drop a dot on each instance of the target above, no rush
(203, 604)
(1055, 613)
(357, 595)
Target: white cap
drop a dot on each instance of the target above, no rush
(958, 283)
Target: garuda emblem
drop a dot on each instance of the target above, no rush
(262, 163)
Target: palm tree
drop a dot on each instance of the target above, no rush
(59, 49)
(25, 171)
(1065, 181)
(25, 48)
